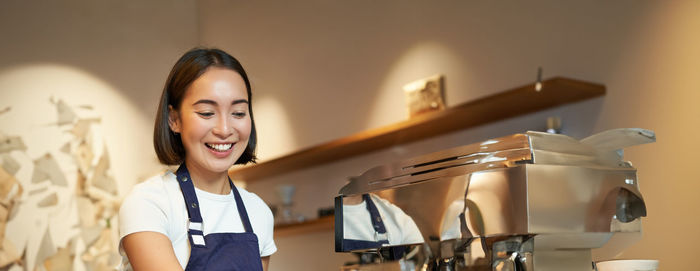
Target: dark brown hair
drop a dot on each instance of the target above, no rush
(188, 68)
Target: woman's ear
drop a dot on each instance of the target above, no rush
(174, 120)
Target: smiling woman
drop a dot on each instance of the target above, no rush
(214, 124)
(187, 219)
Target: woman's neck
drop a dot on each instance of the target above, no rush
(212, 182)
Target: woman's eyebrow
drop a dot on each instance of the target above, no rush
(203, 101)
(212, 102)
(239, 101)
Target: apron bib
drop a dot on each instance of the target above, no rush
(217, 251)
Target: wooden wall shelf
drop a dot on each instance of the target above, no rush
(326, 223)
(510, 103)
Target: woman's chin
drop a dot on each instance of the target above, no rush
(220, 167)
(216, 165)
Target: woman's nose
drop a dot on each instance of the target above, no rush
(223, 128)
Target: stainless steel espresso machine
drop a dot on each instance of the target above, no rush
(532, 201)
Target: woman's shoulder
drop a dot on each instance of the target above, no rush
(157, 181)
(151, 206)
(251, 198)
(261, 219)
(156, 187)
(256, 205)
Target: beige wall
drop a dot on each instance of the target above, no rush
(114, 56)
(325, 69)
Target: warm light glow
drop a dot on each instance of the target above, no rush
(28, 90)
(421, 60)
(275, 130)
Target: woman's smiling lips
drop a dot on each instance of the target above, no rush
(220, 150)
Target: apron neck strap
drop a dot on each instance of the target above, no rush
(241, 208)
(187, 188)
(377, 222)
(192, 204)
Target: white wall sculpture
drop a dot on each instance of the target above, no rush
(58, 210)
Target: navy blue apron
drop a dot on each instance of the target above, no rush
(379, 230)
(217, 251)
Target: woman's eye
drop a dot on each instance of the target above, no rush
(239, 114)
(205, 114)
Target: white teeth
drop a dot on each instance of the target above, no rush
(220, 147)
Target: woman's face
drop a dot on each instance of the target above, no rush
(213, 120)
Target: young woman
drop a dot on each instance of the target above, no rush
(195, 218)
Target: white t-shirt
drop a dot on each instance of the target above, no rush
(400, 228)
(157, 205)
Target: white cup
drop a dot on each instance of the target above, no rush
(628, 265)
(285, 192)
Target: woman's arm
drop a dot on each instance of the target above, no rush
(151, 251)
(265, 262)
